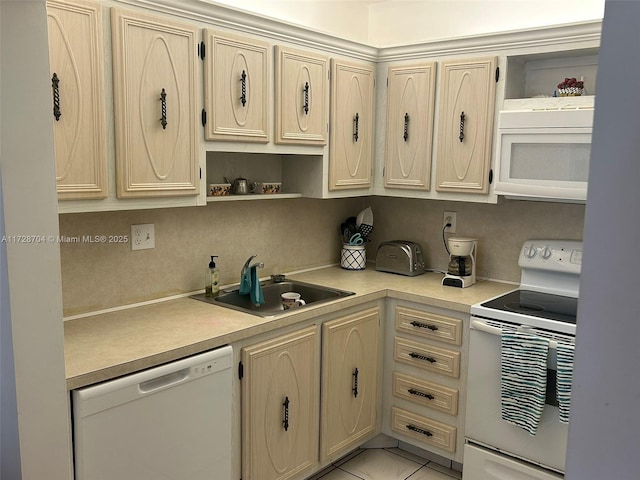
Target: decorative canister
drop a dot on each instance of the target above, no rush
(354, 257)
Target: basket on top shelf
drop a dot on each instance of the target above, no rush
(570, 87)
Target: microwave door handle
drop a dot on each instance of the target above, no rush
(483, 327)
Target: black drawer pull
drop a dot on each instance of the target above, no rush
(163, 108)
(422, 357)
(405, 135)
(243, 88)
(419, 430)
(356, 126)
(433, 328)
(355, 383)
(306, 98)
(55, 85)
(418, 393)
(462, 119)
(285, 421)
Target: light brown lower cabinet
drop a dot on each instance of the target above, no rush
(349, 381)
(280, 406)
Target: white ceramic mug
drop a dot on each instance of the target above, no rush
(291, 300)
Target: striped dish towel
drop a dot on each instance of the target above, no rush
(524, 379)
(563, 379)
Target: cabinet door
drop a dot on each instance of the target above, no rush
(237, 72)
(301, 97)
(280, 406)
(75, 57)
(349, 381)
(410, 108)
(154, 67)
(465, 127)
(351, 129)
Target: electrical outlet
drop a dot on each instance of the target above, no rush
(143, 236)
(449, 217)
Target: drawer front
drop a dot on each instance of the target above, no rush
(425, 393)
(429, 325)
(428, 357)
(424, 429)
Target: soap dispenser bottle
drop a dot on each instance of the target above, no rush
(212, 284)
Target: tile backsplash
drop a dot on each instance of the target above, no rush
(287, 235)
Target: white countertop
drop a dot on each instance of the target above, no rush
(107, 345)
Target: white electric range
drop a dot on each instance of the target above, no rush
(545, 304)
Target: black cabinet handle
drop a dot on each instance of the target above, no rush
(55, 85)
(419, 430)
(285, 421)
(163, 101)
(433, 328)
(355, 383)
(422, 357)
(356, 121)
(406, 127)
(306, 98)
(243, 86)
(461, 137)
(418, 393)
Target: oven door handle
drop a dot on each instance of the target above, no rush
(483, 327)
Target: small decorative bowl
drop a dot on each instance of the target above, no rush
(267, 187)
(219, 189)
(570, 92)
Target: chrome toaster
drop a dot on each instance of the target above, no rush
(401, 257)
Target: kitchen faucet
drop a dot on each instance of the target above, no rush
(247, 266)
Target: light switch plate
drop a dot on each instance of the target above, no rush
(143, 236)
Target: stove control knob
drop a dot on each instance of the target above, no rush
(530, 251)
(546, 253)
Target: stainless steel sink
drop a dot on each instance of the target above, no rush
(310, 293)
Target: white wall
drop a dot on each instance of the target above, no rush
(399, 22)
(30, 209)
(604, 426)
(385, 23)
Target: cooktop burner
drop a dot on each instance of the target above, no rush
(537, 304)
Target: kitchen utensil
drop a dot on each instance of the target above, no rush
(365, 230)
(356, 239)
(365, 216)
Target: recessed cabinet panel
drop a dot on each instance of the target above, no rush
(351, 130)
(465, 127)
(349, 381)
(155, 106)
(410, 109)
(301, 97)
(77, 83)
(237, 72)
(280, 407)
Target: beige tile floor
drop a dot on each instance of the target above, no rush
(385, 464)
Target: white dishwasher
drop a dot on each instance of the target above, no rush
(171, 422)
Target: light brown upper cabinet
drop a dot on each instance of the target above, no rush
(465, 126)
(77, 82)
(301, 97)
(409, 137)
(154, 81)
(237, 88)
(351, 129)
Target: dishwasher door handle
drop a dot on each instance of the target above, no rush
(164, 381)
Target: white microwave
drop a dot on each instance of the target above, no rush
(544, 154)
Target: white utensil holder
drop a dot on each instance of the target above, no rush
(353, 257)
